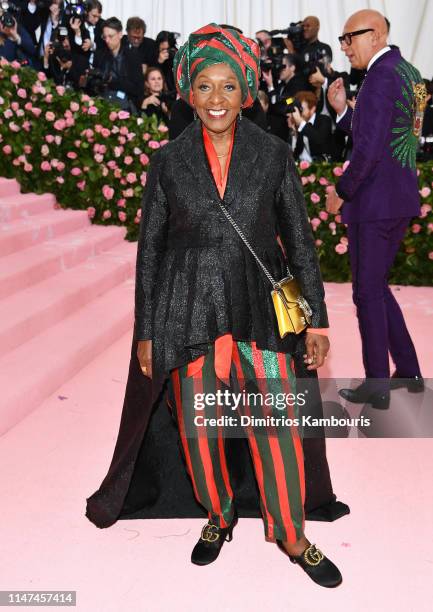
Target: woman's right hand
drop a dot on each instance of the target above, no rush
(144, 354)
(153, 99)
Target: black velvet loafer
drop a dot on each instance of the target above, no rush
(318, 567)
(364, 395)
(414, 384)
(211, 541)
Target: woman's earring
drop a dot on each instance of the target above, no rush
(240, 114)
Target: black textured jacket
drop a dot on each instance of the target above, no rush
(195, 279)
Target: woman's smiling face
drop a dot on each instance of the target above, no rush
(217, 97)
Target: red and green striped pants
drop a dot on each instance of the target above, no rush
(276, 451)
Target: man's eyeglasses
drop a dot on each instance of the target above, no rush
(347, 38)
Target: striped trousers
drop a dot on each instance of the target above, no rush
(276, 451)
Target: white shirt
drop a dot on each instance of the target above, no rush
(305, 154)
(369, 65)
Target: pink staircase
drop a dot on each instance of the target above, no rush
(66, 294)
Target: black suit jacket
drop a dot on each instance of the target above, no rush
(131, 80)
(319, 136)
(195, 279)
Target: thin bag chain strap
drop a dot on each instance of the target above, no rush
(274, 283)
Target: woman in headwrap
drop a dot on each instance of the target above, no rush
(203, 310)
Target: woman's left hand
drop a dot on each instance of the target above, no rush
(317, 349)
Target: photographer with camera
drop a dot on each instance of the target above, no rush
(291, 80)
(87, 25)
(50, 23)
(157, 99)
(15, 42)
(166, 50)
(32, 14)
(311, 132)
(60, 64)
(135, 39)
(117, 74)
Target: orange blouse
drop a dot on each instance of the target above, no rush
(223, 344)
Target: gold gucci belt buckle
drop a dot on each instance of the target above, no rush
(208, 535)
(313, 556)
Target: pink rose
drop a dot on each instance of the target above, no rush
(146, 136)
(7, 149)
(8, 113)
(60, 124)
(42, 76)
(144, 159)
(121, 202)
(77, 143)
(430, 228)
(341, 248)
(117, 173)
(304, 180)
(76, 171)
(425, 209)
(36, 111)
(45, 166)
(128, 160)
(430, 255)
(28, 167)
(131, 177)
(48, 98)
(60, 90)
(91, 211)
(60, 166)
(121, 215)
(21, 93)
(323, 180)
(81, 185)
(108, 193)
(139, 213)
(425, 192)
(15, 106)
(105, 132)
(332, 226)
(99, 158)
(118, 151)
(112, 116)
(128, 193)
(337, 218)
(123, 115)
(323, 215)
(416, 228)
(304, 164)
(124, 130)
(153, 144)
(315, 222)
(337, 171)
(137, 220)
(344, 240)
(163, 142)
(162, 128)
(93, 110)
(14, 127)
(28, 106)
(311, 178)
(28, 149)
(318, 242)
(60, 180)
(106, 214)
(58, 140)
(71, 155)
(85, 98)
(15, 79)
(74, 106)
(122, 140)
(143, 178)
(112, 164)
(315, 198)
(50, 116)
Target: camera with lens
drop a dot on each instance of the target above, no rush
(295, 33)
(61, 34)
(287, 106)
(74, 9)
(96, 82)
(167, 96)
(318, 59)
(9, 15)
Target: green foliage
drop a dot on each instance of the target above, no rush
(92, 156)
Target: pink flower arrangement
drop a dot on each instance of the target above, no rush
(304, 165)
(108, 193)
(341, 248)
(121, 203)
(416, 228)
(93, 110)
(144, 159)
(71, 155)
(15, 79)
(50, 116)
(323, 181)
(128, 160)
(315, 198)
(91, 211)
(106, 214)
(154, 144)
(45, 166)
(7, 149)
(323, 215)
(121, 215)
(337, 171)
(123, 114)
(318, 242)
(315, 222)
(430, 255)
(76, 171)
(131, 177)
(22, 93)
(425, 192)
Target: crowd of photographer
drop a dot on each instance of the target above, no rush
(71, 42)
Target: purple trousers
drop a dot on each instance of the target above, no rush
(373, 246)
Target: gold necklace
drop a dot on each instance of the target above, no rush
(225, 155)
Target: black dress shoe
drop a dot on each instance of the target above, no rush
(314, 563)
(414, 384)
(365, 395)
(328, 512)
(211, 541)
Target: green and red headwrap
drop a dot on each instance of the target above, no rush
(214, 45)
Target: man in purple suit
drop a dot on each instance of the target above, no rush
(379, 195)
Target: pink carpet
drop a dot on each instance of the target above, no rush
(63, 384)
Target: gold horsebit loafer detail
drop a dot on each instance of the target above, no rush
(312, 555)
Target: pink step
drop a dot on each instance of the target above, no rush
(34, 370)
(22, 205)
(33, 310)
(29, 266)
(24, 233)
(8, 187)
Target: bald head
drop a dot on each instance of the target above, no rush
(364, 46)
(311, 27)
